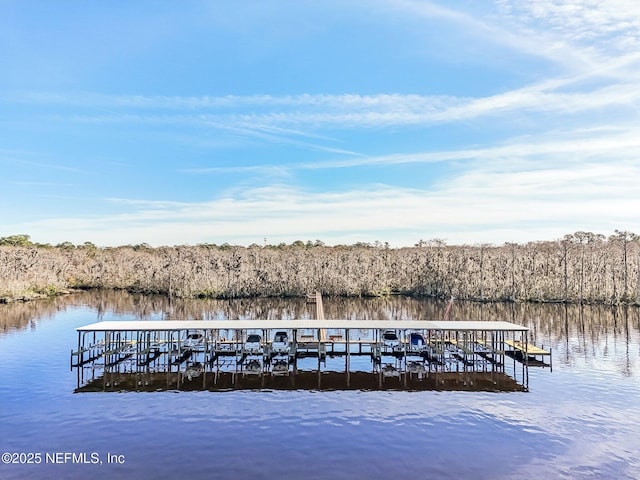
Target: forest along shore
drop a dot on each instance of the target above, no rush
(579, 268)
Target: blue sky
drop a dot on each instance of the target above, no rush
(207, 121)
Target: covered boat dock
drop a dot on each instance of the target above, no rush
(202, 353)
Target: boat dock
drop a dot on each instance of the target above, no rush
(205, 353)
(529, 353)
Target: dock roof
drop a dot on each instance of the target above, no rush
(300, 324)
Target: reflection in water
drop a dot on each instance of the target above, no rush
(304, 380)
(20, 315)
(575, 332)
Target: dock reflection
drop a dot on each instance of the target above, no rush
(302, 380)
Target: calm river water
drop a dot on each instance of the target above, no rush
(581, 420)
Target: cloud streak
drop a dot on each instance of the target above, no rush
(373, 110)
(476, 206)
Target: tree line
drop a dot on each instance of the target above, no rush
(582, 267)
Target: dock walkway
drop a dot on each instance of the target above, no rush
(529, 353)
(528, 349)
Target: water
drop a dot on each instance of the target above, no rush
(580, 421)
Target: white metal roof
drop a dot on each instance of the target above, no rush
(166, 325)
(474, 325)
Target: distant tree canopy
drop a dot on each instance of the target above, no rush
(16, 240)
(582, 267)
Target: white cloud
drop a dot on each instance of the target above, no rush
(615, 23)
(612, 144)
(508, 32)
(307, 114)
(478, 205)
(34, 161)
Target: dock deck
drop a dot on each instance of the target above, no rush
(529, 349)
(529, 353)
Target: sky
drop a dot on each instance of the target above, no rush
(187, 122)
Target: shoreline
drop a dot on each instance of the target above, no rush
(29, 296)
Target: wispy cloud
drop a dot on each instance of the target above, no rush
(615, 23)
(39, 161)
(41, 184)
(476, 205)
(555, 148)
(383, 111)
(269, 170)
(593, 47)
(510, 35)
